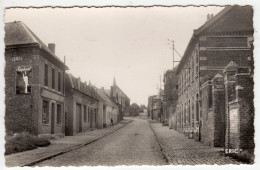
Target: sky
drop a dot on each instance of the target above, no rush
(130, 44)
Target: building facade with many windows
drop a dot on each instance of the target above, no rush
(223, 38)
(34, 78)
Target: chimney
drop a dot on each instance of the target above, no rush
(51, 46)
(211, 16)
(208, 17)
(103, 88)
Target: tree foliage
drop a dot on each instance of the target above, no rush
(134, 109)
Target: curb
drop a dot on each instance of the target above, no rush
(72, 149)
(164, 153)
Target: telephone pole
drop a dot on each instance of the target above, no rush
(173, 53)
(173, 49)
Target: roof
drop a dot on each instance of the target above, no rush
(105, 97)
(115, 86)
(108, 92)
(17, 33)
(220, 24)
(77, 84)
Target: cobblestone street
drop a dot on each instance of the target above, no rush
(183, 151)
(135, 144)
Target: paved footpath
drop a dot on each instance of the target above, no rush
(135, 144)
(183, 151)
(60, 146)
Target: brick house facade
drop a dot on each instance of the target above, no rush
(34, 79)
(82, 104)
(201, 107)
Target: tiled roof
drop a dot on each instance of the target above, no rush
(105, 97)
(17, 33)
(77, 84)
(221, 24)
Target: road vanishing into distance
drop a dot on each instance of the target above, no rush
(135, 144)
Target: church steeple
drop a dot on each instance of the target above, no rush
(114, 83)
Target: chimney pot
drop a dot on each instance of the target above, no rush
(51, 46)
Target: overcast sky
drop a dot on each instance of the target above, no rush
(128, 43)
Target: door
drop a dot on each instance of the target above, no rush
(91, 118)
(78, 118)
(52, 117)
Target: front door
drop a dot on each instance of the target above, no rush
(52, 117)
(78, 118)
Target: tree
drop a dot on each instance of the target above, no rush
(134, 109)
(142, 108)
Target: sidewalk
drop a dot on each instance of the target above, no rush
(179, 150)
(60, 146)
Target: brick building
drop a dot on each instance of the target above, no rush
(34, 79)
(223, 38)
(81, 111)
(109, 109)
(170, 97)
(120, 98)
(150, 107)
(155, 107)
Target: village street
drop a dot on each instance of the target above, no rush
(137, 144)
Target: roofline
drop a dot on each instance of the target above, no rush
(72, 86)
(199, 31)
(36, 40)
(122, 91)
(101, 91)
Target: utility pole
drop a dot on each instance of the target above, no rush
(173, 49)
(173, 53)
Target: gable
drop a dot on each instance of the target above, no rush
(238, 20)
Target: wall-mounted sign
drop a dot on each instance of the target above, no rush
(24, 68)
(17, 58)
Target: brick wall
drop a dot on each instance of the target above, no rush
(241, 113)
(19, 115)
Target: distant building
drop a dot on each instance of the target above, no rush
(34, 84)
(81, 111)
(121, 99)
(155, 109)
(109, 109)
(170, 97)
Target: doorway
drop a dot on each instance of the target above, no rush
(52, 117)
(78, 118)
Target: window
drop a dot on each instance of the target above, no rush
(59, 81)
(46, 75)
(23, 80)
(53, 78)
(85, 114)
(197, 61)
(58, 114)
(45, 112)
(192, 68)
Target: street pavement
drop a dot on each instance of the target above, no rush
(61, 146)
(180, 150)
(141, 142)
(135, 144)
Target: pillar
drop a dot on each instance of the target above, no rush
(218, 109)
